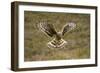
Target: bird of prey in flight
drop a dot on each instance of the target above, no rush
(58, 41)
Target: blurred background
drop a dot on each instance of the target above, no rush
(35, 41)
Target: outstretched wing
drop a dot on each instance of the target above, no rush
(47, 28)
(68, 27)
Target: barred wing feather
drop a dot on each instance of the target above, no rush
(47, 28)
(68, 27)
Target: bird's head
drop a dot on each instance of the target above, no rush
(59, 34)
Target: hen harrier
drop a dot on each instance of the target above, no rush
(49, 29)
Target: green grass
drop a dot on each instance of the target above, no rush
(35, 41)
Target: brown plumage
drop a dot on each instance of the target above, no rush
(50, 31)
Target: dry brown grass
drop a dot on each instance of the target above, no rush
(78, 46)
